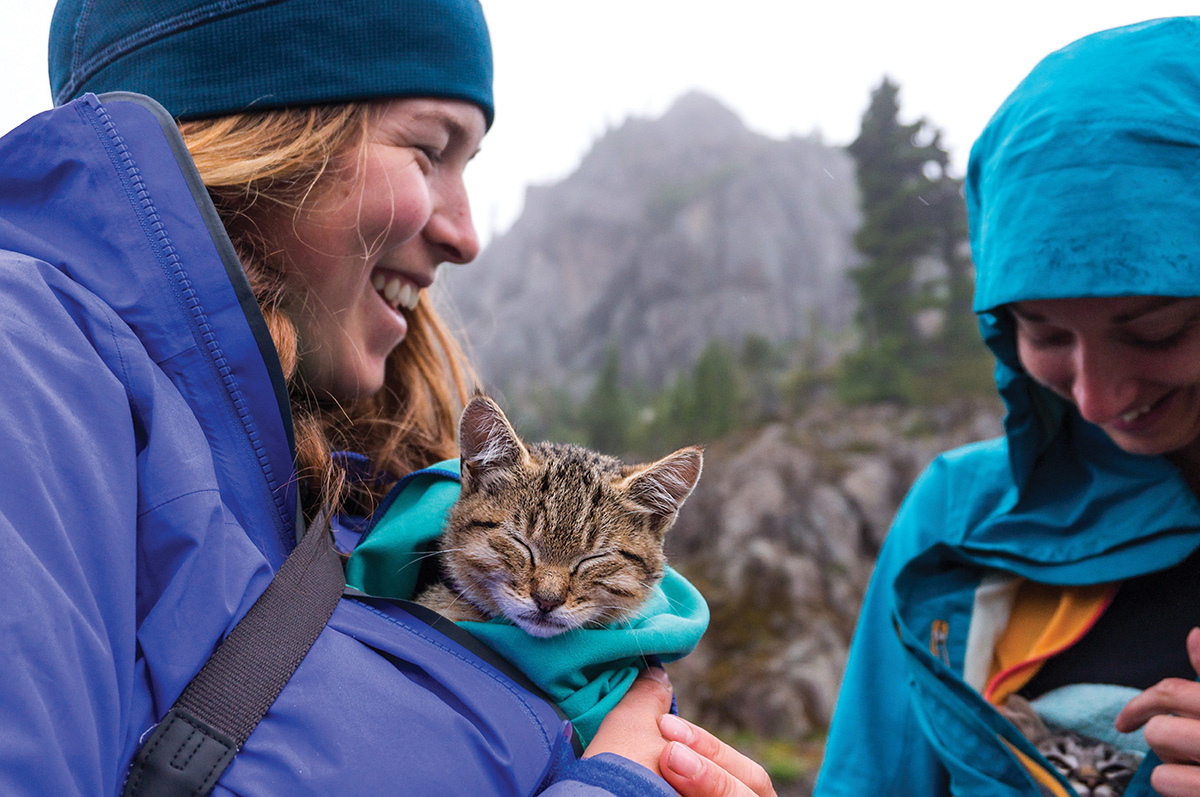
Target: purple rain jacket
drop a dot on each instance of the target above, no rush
(147, 495)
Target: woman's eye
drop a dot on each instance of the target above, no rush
(1045, 339)
(432, 153)
(1160, 342)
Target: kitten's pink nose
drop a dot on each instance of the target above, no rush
(547, 603)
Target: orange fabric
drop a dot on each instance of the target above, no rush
(1044, 621)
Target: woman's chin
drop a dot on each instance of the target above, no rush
(345, 382)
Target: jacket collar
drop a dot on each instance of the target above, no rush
(103, 190)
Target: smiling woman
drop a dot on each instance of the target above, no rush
(224, 236)
(1058, 566)
(369, 237)
(334, 200)
(1129, 364)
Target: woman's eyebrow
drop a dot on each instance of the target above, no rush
(1159, 303)
(1156, 304)
(438, 117)
(1025, 315)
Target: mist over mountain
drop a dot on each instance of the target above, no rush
(672, 232)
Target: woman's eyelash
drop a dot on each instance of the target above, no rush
(1165, 342)
(434, 154)
(1046, 340)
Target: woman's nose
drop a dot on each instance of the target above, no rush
(1103, 388)
(450, 228)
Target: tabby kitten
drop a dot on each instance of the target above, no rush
(1094, 768)
(554, 537)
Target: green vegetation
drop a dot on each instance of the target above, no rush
(787, 761)
(725, 390)
(917, 337)
(919, 341)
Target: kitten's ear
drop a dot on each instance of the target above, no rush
(488, 445)
(1019, 712)
(661, 487)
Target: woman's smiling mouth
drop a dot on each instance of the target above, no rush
(396, 291)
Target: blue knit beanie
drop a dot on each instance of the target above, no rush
(202, 58)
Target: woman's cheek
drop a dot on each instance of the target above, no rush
(396, 200)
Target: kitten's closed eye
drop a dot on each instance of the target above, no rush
(554, 537)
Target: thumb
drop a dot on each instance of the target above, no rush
(649, 693)
(631, 727)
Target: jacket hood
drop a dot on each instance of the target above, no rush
(1084, 183)
(103, 190)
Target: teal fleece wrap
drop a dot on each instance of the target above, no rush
(586, 671)
(202, 58)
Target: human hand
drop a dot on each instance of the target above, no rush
(691, 759)
(1170, 710)
(631, 728)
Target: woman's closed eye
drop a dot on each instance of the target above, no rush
(1043, 336)
(431, 153)
(1161, 337)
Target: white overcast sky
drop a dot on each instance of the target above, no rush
(567, 70)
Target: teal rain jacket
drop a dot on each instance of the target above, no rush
(1086, 182)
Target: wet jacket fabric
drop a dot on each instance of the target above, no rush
(147, 496)
(585, 671)
(1084, 183)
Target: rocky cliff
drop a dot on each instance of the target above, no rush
(672, 232)
(781, 536)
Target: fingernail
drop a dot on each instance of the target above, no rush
(682, 761)
(674, 728)
(659, 674)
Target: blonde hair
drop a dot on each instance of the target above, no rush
(254, 163)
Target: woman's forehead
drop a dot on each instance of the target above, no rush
(1107, 309)
(458, 116)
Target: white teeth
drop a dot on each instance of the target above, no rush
(1135, 414)
(391, 291)
(397, 292)
(409, 296)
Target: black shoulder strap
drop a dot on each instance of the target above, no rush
(198, 738)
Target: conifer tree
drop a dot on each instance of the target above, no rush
(905, 196)
(715, 391)
(606, 415)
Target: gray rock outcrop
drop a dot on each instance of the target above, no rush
(781, 536)
(671, 233)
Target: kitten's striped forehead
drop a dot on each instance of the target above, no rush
(569, 487)
(567, 459)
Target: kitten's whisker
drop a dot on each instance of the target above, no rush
(674, 603)
(419, 558)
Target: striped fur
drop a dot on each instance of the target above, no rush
(553, 536)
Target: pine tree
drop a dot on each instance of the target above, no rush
(607, 415)
(963, 362)
(716, 391)
(904, 192)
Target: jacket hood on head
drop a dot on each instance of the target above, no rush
(1084, 183)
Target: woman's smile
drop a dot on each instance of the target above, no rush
(367, 243)
(396, 289)
(1129, 364)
